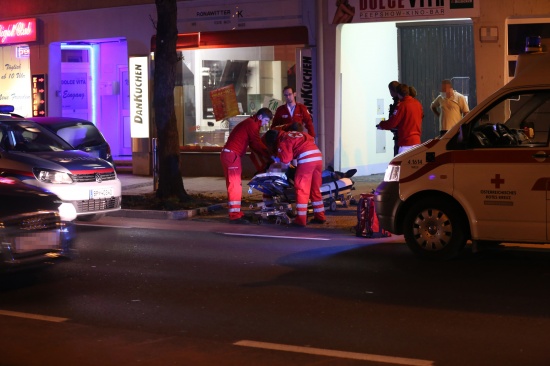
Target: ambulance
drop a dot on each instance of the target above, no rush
(485, 181)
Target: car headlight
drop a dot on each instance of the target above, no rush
(52, 176)
(392, 173)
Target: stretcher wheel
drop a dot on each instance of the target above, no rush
(278, 221)
(260, 221)
(332, 205)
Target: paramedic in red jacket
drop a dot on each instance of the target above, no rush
(245, 134)
(307, 181)
(291, 112)
(407, 118)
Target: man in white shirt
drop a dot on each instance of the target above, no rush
(450, 106)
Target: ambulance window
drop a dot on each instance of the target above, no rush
(519, 119)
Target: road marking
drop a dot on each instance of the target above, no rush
(45, 318)
(276, 236)
(333, 353)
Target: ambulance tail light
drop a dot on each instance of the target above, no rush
(392, 173)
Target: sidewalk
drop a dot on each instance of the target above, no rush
(138, 185)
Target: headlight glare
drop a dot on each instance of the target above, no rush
(52, 176)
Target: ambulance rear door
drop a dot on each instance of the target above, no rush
(502, 168)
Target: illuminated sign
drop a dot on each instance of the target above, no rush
(17, 31)
(138, 70)
(39, 95)
(23, 51)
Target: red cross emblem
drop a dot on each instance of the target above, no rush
(497, 181)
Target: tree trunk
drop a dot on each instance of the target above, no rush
(170, 179)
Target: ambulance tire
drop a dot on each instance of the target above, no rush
(435, 228)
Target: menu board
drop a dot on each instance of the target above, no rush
(15, 78)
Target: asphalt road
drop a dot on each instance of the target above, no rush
(204, 292)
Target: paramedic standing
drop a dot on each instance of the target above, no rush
(392, 87)
(308, 178)
(450, 106)
(245, 134)
(407, 118)
(291, 112)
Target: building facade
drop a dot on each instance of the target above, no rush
(237, 58)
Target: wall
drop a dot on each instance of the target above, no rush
(367, 62)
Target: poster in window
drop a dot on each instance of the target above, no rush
(74, 90)
(224, 102)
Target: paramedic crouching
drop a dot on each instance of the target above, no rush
(307, 181)
(407, 118)
(246, 133)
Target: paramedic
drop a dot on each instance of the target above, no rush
(392, 87)
(246, 133)
(450, 106)
(307, 181)
(292, 111)
(407, 118)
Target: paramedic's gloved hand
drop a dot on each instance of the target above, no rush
(275, 159)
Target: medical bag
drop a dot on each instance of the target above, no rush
(367, 221)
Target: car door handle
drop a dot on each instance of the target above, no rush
(542, 155)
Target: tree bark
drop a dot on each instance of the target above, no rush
(170, 178)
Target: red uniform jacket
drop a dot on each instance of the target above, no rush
(246, 133)
(301, 114)
(300, 146)
(407, 118)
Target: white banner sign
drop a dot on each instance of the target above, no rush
(15, 79)
(138, 69)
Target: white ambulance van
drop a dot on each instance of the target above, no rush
(486, 180)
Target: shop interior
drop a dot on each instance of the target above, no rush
(258, 75)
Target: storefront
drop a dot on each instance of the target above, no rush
(245, 53)
(341, 71)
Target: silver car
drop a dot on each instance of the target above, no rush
(33, 155)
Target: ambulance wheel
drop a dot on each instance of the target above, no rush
(435, 229)
(332, 205)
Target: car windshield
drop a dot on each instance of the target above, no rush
(79, 135)
(27, 136)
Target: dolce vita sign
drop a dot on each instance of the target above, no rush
(17, 31)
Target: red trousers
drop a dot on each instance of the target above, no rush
(307, 183)
(232, 170)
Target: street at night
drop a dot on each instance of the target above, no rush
(201, 292)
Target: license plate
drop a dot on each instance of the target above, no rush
(98, 193)
(38, 240)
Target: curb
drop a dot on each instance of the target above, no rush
(166, 215)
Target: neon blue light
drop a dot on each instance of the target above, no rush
(93, 69)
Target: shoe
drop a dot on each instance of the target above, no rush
(241, 221)
(317, 221)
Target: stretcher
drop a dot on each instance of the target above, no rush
(335, 189)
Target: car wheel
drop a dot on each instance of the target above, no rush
(92, 217)
(435, 229)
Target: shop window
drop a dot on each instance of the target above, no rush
(256, 74)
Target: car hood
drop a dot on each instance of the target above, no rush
(19, 198)
(71, 161)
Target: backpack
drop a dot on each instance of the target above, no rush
(367, 220)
